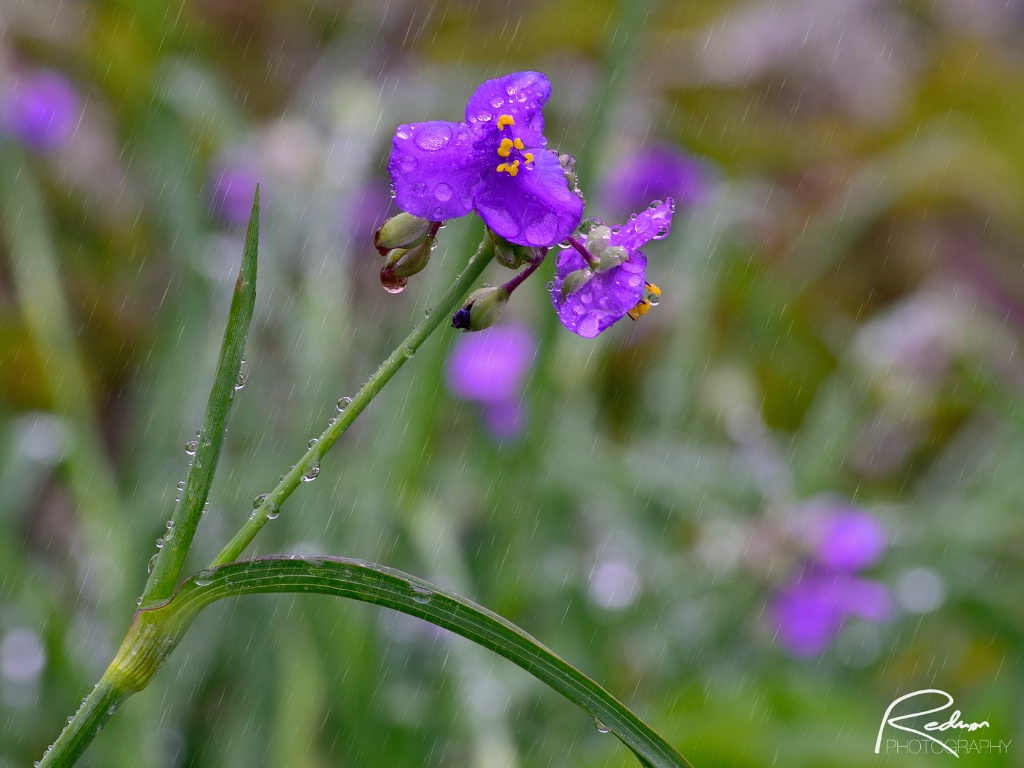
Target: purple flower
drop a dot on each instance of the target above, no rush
(489, 368)
(600, 281)
(41, 110)
(657, 172)
(494, 163)
(810, 610)
(849, 539)
(233, 187)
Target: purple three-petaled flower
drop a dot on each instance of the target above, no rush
(494, 163)
(590, 296)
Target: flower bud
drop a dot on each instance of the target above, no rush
(511, 255)
(574, 281)
(568, 163)
(403, 263)
(401, 231)
(482, 309)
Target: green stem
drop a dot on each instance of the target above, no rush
(88, 721)
(309, 464)
(34, 270)
(154, 633)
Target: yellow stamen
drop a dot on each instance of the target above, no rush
(504, 120)
(639, 310)
(511, 170)
(644, 305)
(528, 157)
(518, 143)
(506, 147)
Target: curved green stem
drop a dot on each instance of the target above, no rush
(309, 464)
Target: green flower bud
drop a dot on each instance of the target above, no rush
(574, 281)
(482, 309)
(403, 263)
(511, 255)
(401, 231)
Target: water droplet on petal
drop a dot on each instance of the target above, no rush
(408, 164)
(432, 136)
(443, 192)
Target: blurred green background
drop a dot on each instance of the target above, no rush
(842, 307)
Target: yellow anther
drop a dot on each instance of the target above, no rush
(511, 169)
(504, 120)
(506, 147)
(652, 288)
(528, 157)
(518, 143)
(639, 310)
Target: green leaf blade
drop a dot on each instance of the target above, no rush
(171, 558)
(391, 588)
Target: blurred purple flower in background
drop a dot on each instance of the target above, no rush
(41, 110)
(490, 368)
(654, 172)
(810, 609)
(231, 191)
(849, 539)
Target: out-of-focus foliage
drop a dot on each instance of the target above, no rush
(841, 310)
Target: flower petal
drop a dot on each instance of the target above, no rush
(435, 169)
(535, 207)
(652, 223)
(603, 300)
(521, 95)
